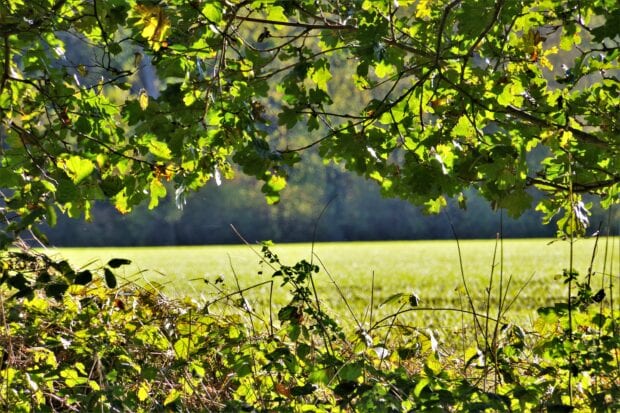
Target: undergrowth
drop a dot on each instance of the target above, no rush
(73, 340)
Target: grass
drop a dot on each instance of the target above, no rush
(430, 269)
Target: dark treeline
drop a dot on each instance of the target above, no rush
(353, 210)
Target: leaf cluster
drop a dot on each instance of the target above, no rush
(438, 97)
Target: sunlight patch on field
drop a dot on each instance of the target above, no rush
(430, 269)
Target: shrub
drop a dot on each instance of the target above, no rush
(129, 348)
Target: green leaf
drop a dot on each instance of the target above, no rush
(472, 354)
(56, 289)
(352, 371)
(463, 128)
(8, 178)
(383, 70)
(434, 206)
(276, 183)
(182, 348)
(276, 13)
(272, 187)
(393, 298)
(304, 390)
(158, 190)
(421, 385)
(50, 213)
(159, 149)
(213, 11)
(319, 376)
(321, 75)
(76, 168)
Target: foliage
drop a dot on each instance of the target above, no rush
(440, 96)
(131, 349)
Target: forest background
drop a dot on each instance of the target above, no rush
(354, 211)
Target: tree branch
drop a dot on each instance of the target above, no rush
(7, 63)
(297, 24)
(582, 135)
(487, 29)
(512, 110)
(587, 187)
(442, 25)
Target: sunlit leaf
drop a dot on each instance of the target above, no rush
(143, 391)
(77, 168)
(143, 99)
(173, 396)
(158, 190)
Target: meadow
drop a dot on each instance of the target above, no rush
(527, 271)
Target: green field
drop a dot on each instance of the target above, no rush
(429, 269)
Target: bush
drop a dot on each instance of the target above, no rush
(131, 349)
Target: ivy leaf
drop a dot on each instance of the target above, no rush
(118, 262)
(83, 277)
(110, 278)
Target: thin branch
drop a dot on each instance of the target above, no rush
(104, 34)
(576, 187)
(442, 25)
(7, 63)
(309, 26)
(487, 29)
(584, 136)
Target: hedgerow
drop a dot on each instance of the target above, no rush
(132, 349)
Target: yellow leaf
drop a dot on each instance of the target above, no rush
(546, 62)
(121, 203)
(143, 99)
(143, 392)
(423, 10)
(172, 397)
(565, 139)
(155, 24)
(158, 190)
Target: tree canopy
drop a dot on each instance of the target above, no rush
(128, 100)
